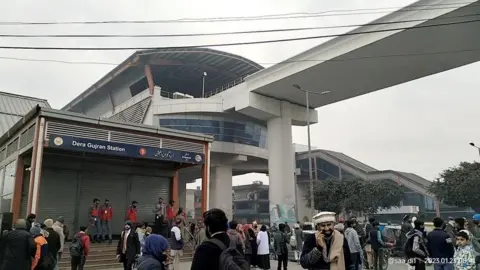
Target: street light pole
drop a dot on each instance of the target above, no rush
(310, 165)
(478, 148)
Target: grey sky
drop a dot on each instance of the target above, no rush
(421, 127)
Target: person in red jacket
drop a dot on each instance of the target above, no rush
(94, 220)
(77, 262)
(106, 215)
(170, 213)
(132, 213)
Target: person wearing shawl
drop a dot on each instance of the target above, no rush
(327, 248)
(156, 255)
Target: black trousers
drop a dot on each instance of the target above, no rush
(77, 263)
(282, 259)
(377, 258)
(159, 225)
(356, 260)
(127, 261)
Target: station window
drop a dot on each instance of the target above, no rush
(8, 184)
(235, 131)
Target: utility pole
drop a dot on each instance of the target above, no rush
(310, 165)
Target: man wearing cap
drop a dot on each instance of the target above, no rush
(17, 248)
(326, 248)
(58, 228)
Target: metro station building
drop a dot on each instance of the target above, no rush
(248, 110)
(167, 88)
(54, 163)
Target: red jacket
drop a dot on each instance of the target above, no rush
(131, 214)
(170, 212)
(85, 242)
(106, 213)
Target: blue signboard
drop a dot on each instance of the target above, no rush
(122, 149)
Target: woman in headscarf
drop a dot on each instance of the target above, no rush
(156, 255)
(254, 246)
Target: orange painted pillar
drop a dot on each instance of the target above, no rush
(205, 178)
(33, 166)
(149, 76)
(175, 188)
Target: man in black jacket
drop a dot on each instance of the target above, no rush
(128, 248)
(440, 247)
(53, 239)
(207, 254)
(17, 248)
(326, 246)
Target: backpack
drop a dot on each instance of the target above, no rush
(76, 247)
(46, 260)
(234, 240)
(230, 258)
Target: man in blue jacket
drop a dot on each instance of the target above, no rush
(440, 247)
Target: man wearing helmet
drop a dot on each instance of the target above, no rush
(326, 248)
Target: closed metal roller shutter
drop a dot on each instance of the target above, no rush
(24, 198)
(104, 186)
(146, 190)
(58, 196)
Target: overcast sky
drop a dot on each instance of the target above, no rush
(422, 126)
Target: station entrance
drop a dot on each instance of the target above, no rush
(72, 161)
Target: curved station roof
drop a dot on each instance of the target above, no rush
(175, 70)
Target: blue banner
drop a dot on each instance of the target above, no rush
(125, 150)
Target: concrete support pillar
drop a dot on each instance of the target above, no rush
(281, 165)
(302, 209)
(220, 189)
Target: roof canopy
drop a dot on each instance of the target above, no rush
(175, 70)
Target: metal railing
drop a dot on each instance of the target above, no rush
(225, 87)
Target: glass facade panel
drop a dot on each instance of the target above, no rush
(6, 203)
(2, 170)
(242, 132)
(9, 181)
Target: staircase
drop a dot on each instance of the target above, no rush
(103, 256)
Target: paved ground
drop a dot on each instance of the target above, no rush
(294, 266)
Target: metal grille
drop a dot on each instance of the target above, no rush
(121, 137)
(133, 114)
(182, 146)
(76, 131)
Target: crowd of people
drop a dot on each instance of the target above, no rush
(220, 244)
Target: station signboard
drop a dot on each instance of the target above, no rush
(122, 149)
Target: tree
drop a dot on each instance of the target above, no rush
(355, 195)
(459, 186)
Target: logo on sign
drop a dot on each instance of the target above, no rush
(186, 157)
(58, 141)
(198, 158)
(142, 151)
